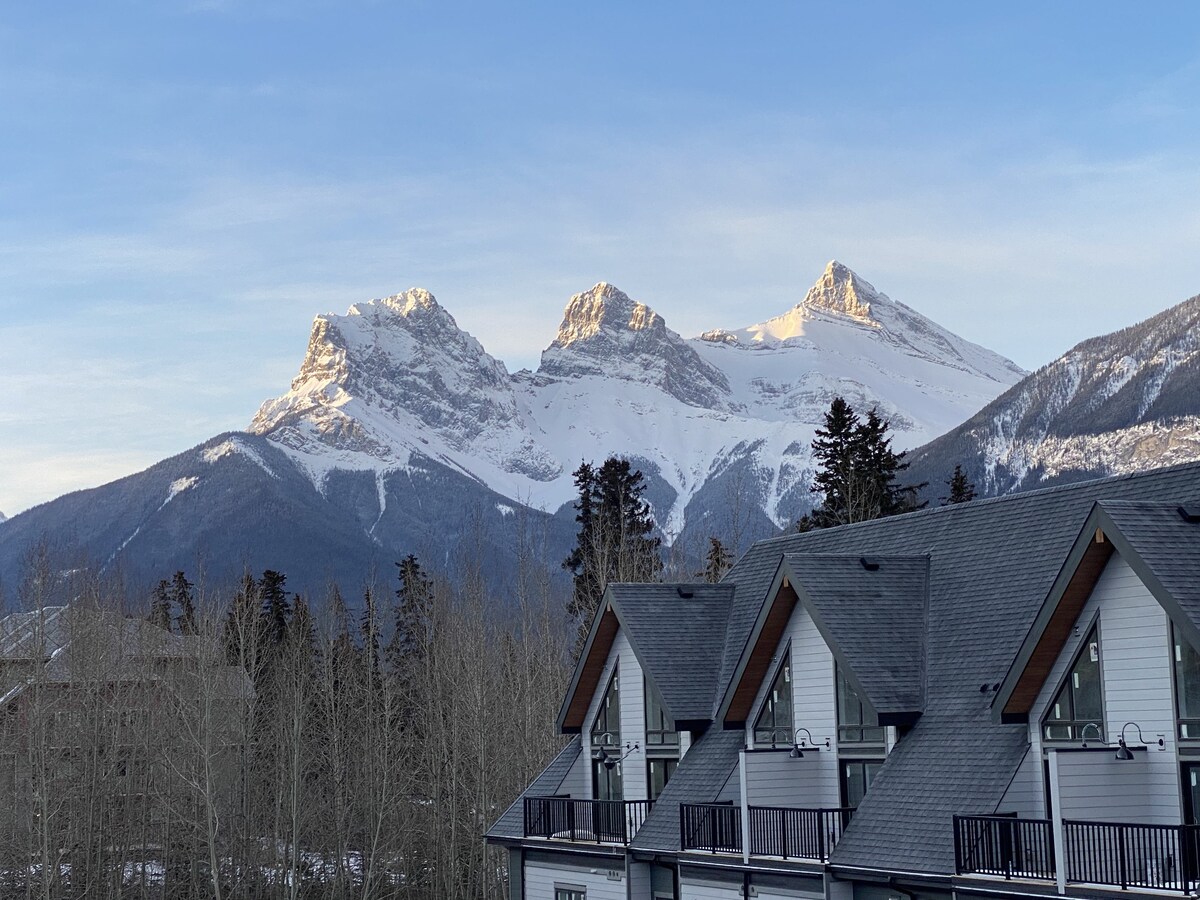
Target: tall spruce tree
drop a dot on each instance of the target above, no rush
(275, 607)
(857, 470)
(160, 605)
(616, 540)
(184, 598)
(414, 604)
(718, 561)
(961, 490)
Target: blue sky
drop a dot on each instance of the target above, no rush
(184, 185)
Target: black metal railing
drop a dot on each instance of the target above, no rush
(1121, 855)
(1164, 857)
(776, 831)
(712, 827)
(596, 821)
(1004, 845)
(796, 833)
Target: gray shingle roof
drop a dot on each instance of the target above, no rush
(1167, 543)
(511, 824)
(701, 774)
(991, 566)
(873, 618)
(678, 640)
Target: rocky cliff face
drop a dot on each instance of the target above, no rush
(606, 334)
(396, 380)
(1123, 402)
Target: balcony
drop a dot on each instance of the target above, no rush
(779, 832)
(590, 821)
(1159, 857)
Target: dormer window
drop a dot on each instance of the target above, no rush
(858, 722)
(1079, 704)
(1187, 686)
(773, 727)
(660, 730)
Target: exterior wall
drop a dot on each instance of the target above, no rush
(1026, 795)
(577, 782)
(709, 885)
(775, 779)
(700, 884)
(1135, 664)
(639, 880)
(633, 719)
(600, 883)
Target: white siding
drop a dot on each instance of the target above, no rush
(541, 878)
(773, 778)
(694, 888)
(577, 779)
(1135, 662)
(639, 880)
(633, 718)
(1026, 794)
(813, 780)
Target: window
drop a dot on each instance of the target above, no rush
(857, 721)
(1078, 704)
(606, 730)
(857, 776)
(606, 743)
(570, 893)
(1187, 686)
(659, 772)
(773, 728)
(1191, 793)
(660, 730)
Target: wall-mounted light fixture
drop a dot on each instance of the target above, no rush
(610, 760)
(1083, 735)
(1123, 751)
(800, 745)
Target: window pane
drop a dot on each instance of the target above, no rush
(1187, 686)
(850, 710)
(660, 772)
(1085, 684)
(857, 719)
(774, 724)
(607, 781)
(606, 730)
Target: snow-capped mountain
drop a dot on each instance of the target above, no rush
(1119, 403)
(400, 434)
(396, 378)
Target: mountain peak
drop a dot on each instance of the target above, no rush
(842, 291)
(604, 308)
(606, 333)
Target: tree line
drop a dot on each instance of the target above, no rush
(282, 752)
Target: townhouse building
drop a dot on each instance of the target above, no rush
(992, 699)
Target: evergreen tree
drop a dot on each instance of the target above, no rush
(275, 607)
(414, 603)
(961, 490)
(369, 635)
(160, 605)
(857, 470)
(241, 624)
(835, 449)
(616, 539)
(183, 598)
(717, 562)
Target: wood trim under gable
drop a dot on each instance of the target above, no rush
(759, 661)
(590, 670)
(1058, 629)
